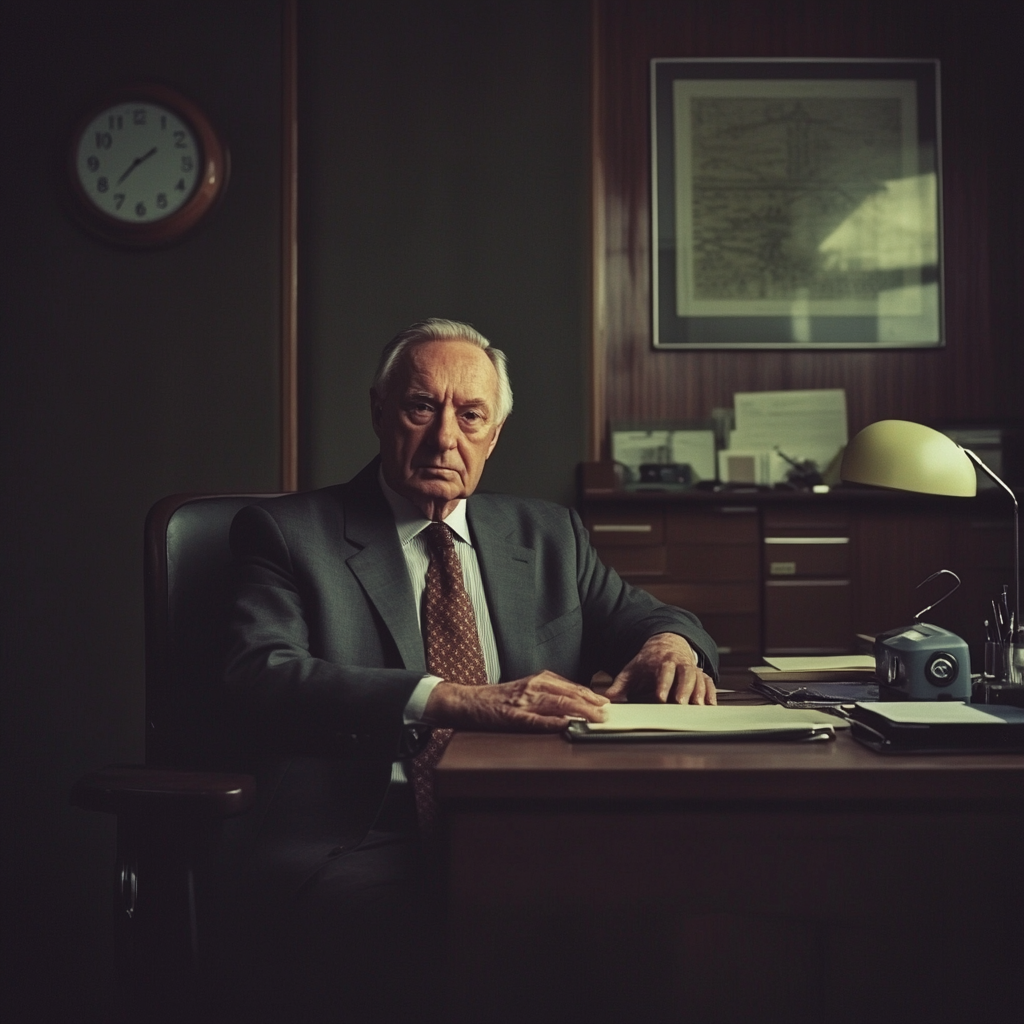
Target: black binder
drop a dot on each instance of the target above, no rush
(887, 737)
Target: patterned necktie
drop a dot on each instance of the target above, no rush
(453, 653)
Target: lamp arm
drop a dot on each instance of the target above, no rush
(1016, 539)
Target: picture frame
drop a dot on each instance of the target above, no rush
(795, 204)
(667, 443)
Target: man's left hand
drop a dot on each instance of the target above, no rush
(666, 669)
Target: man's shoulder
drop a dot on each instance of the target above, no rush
(525, 516)
(518, 503)
(325, 513)
(303, 505)
(325, 500)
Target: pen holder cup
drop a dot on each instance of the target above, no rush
(1015, 665)
(1004, 663)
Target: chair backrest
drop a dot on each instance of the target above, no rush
(188, 585)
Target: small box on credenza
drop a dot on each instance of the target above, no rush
(750, 466)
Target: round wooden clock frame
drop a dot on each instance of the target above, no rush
(213, 162)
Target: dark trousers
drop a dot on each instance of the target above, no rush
(358, 941)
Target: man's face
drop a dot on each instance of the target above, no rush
(438, 426)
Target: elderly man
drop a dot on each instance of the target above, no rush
(374, 617)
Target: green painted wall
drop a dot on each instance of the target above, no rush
(126, 376)
(445, 172)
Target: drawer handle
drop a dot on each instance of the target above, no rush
(806, 583)
(807, 540)
(622, 528)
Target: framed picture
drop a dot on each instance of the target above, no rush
(795, 204)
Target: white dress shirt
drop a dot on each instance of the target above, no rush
(410, 523)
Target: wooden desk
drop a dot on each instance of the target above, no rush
(731, 882)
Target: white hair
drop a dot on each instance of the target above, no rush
(436, 329)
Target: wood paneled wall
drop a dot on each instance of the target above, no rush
(978, 373)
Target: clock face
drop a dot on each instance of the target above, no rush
(138, 162)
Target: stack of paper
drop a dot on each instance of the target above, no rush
(708, 719)
(833, 668)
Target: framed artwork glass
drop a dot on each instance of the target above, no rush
(795, 204)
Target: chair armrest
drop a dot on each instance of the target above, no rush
(136, 789)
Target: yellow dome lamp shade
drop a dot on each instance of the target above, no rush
(908, 456)
(911, 457)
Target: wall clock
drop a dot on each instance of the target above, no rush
(145, 166)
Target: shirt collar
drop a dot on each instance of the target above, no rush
(410, 521)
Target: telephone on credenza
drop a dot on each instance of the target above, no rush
(921, 661)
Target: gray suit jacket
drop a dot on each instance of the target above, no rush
(325, 648)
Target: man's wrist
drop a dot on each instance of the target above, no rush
(416, 705)
(702, 660)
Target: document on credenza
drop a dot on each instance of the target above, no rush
(805, 424)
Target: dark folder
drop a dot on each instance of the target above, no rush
(1005, 736)
(815, 694)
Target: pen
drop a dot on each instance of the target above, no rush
(988, 632)
(997, 619)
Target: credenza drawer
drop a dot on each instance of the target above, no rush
(730, 524)
(708, 598)
(738, 636)
(630, 529)
(636, 560)
(806, 556)
(713, 563)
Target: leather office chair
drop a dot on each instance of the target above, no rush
(169, 872)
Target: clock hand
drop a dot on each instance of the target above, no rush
(135, 163)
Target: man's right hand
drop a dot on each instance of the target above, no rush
(541, 703)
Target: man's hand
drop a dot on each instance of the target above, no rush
(541, 703)
(665, 668)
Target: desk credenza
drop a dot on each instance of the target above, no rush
(781, 572)
(757, 882)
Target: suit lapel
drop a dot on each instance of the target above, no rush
(508, 576)
(380, 566)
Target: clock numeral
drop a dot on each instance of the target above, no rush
(161, 200)
(181, 185)
(93, 164)
(163, 122)
(102, 185)
(104, 140)
(115, 122)
(179, 139)
(186, 163)
(118, 200)
(140, 209)
(139, 115)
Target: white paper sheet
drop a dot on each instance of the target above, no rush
(697, 718)
(938, 712)
(823, 663)
(696, 448)
(804, 424)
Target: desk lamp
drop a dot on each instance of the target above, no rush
(908, 456)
